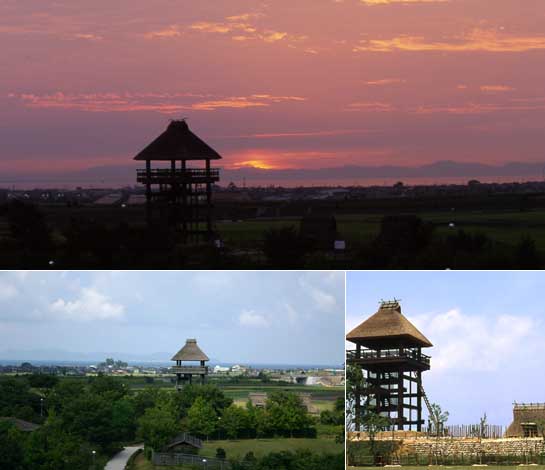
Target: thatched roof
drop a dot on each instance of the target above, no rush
(184, 438)
(524, 415)
(388, 325)
(178, 143)
(190, 352)
(20, 424)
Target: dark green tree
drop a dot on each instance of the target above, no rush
(11, 447)
(283, 247)
(158, 426)
(201, 418)
(234, 421)
(287, 414)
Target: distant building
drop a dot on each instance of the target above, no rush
(526, 417)
(221, 370)
(184, 372)
(238, 370)
(258, 399)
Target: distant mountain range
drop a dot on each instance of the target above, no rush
(125, 174)
(158, 359)
(59, 355)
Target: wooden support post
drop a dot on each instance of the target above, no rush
(184, 202)
(208, 200)
(419, 400)
(400, 400)
(148, 192)
(357, 407)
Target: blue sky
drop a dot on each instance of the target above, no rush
(247, 317)
(488, 331)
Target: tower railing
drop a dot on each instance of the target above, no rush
(388, 354)
(178, 173)
(189, 369)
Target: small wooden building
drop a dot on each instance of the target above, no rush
(21, 425)
(185, 372)
(389, 352)
(258, 399)
(526, 417)
(181, 196)
(184, 444)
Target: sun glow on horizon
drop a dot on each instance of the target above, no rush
(259, 164)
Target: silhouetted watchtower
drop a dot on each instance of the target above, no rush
(389, 352)
(185, 372)
(182, 196)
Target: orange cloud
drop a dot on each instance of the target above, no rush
(306, 134)
(371, 106)
(478, 40)
(172, 31)
(88, 37)
(496, 88)
(477, 108)
(385, 81)
(167, 103)
(244, 16)
(221, 28)
(391, 2)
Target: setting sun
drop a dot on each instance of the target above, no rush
(259, 164)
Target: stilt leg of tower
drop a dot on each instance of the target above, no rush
(419, 400)
(148, 192)
(357, 409)
(400, 402)
(208, 201)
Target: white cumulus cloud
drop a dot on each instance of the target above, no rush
(7, 291)
(475, 342)
(252, 319)
(90, 305)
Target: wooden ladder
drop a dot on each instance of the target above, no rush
(432, 416)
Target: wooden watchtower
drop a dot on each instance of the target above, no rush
(389, 352)
(185, 372)
(181, 196)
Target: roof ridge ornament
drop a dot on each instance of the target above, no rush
(390, 304)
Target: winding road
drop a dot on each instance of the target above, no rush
(120, 459)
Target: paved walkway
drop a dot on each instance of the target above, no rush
(119, 460)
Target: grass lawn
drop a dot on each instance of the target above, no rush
(259, 447)
(238, 449)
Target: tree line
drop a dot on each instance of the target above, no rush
(87, 421)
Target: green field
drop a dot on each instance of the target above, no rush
(507, 226)
(356, 223)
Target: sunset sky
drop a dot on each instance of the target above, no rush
(274, 84)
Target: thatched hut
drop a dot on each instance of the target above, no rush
(181, 195)
(527, 417)
(190, 353)
(389, 353)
